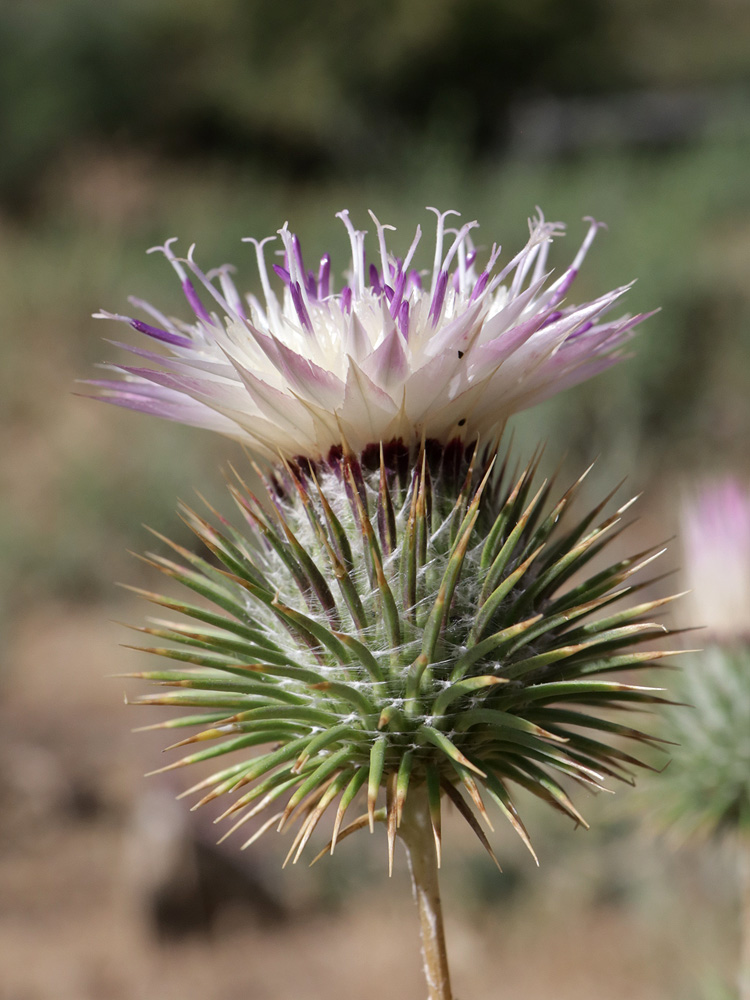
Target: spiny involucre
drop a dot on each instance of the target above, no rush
(403, 619)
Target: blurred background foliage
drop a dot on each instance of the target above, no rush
(127, 122)
(307, 89)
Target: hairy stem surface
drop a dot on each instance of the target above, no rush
(417, 835)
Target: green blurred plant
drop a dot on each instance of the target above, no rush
(706, 790)
(317, 87)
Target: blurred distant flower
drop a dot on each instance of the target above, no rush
(396, 354)
(706, 790)
(716, 537)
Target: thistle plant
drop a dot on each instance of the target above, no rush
(706, 790)
(402, 619)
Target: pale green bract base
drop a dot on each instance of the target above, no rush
(410, 625)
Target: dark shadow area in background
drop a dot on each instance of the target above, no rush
(308, 90)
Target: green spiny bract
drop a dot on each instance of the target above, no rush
(398, 622)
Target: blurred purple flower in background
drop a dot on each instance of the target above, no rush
(706, 791)
(716, 539)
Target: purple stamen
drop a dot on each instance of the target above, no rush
(324, 277)
(439, 296)
(158, 334)
(552, 318)
(195, 303)
(398, 293)
(282, 273)
(581, 329)
(346, 299)
(414, 281)
(299, 305)
(480, 285)
(375, 280)
(297, 251)
(306, 276)
(388, 292)
(403, 319)
(565, 282)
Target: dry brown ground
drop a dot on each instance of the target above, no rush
(73, 924)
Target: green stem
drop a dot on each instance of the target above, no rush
(416, 833)
(744, 880)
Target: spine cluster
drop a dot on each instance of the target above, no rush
(396, 622)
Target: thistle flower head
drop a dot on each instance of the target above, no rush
(386, 626)
(716, 533)
(395, 354)
(706, 790)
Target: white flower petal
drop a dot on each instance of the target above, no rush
(451, 356)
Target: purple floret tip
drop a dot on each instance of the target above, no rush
(195, 303)
(158, 334)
